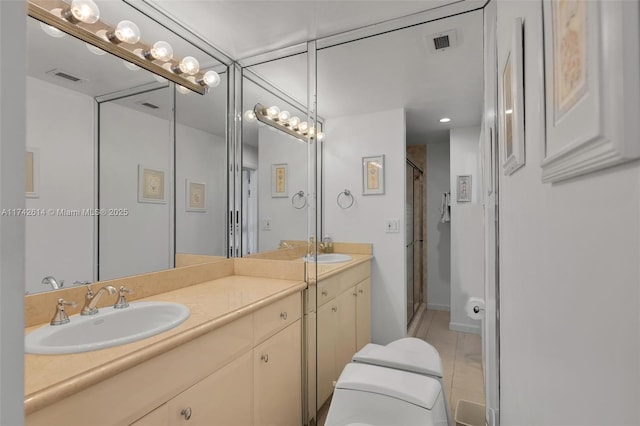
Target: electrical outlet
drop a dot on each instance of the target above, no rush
(391, 226)
(266, 224)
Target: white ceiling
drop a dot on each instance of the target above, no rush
(392, 70)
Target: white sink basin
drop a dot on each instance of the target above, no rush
(109, 327)
(329, 258)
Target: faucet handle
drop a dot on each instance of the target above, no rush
(61, 317)
(122, 301)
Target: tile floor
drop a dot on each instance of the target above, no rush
(461, 355)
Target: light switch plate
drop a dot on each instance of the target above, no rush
(266, 224)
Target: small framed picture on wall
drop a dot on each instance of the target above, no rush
(463, 188)
(373, 175)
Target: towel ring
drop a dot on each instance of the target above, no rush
(347, 195)
(295, 200)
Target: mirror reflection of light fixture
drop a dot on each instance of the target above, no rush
(81, 19)
(283, 121)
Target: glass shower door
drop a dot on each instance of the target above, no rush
(409, 241)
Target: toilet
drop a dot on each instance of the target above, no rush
(407, 354)
(379, 396)
(398, 384)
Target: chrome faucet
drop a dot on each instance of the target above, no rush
(52, 282)
(91, 299)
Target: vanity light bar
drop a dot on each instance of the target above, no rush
(45, 11)
(283, 121)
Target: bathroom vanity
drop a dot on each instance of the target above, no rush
(236, 360)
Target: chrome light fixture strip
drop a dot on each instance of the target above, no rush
(41, 10)
(261, 114)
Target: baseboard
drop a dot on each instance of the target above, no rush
(465, 328)
(437, 307)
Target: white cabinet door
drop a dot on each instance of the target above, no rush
(223, 398)
(363, 314)
(277, 365)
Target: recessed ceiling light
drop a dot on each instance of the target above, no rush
(445, 120)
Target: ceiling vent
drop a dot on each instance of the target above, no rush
(149, 105)
(443, 41)
(65, 75)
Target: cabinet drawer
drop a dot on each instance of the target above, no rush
(354, 275)
(328, 289)
(270, 319)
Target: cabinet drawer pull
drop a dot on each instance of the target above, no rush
(265, 358)
(361, 291)
(324, 292)
(283, 315)
(334, 309)
(354, 293)
(186, 413)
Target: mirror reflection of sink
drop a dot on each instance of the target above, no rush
(328, 258)
(109, 327)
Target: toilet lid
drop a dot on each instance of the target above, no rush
(413, 388)
(427, 361)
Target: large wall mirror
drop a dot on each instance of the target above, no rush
(128, 168)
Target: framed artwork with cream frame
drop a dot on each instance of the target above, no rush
(511, 103)
(32, 168)
(195, 200)
(373, 175)
(279, 180)
(592, 86)
(151, 185)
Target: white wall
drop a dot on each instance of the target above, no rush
(348, 139)
(201, 157)
(140, 241)
(438, 234)
(467, 229)
(569, 292)
(12, 228)
(287, 222)
(60, 126)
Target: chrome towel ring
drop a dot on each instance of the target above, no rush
(346, 201)
(298, 200)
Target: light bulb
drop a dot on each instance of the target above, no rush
(125, 32)
(52, 31)
(161, 50)
(320, 136)
(272, 112)
(188, 65)
(95, 50)
(303, 127)
(312, 131)
(294, 122)
(82, 11)
(131, 66)
(210, 79)
(250, 116)
(183, 89)
(284, 116)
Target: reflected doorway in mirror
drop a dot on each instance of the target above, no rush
(32, 169)
(151, 184)
(196, 196)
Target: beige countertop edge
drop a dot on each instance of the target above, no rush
(47, 396)
(357, 259)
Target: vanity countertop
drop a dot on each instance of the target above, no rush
(212, 304)
(326, 270)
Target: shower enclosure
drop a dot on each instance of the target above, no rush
(414, 238)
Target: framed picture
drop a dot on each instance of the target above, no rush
(279, 180)
(373, 175)
(592, 86)
(463, 189)
(32, 167)
(511, 103)
(151, 185)
(195, 196)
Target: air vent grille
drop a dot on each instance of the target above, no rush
(149, 105)
(441, 42)
(66, 75)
